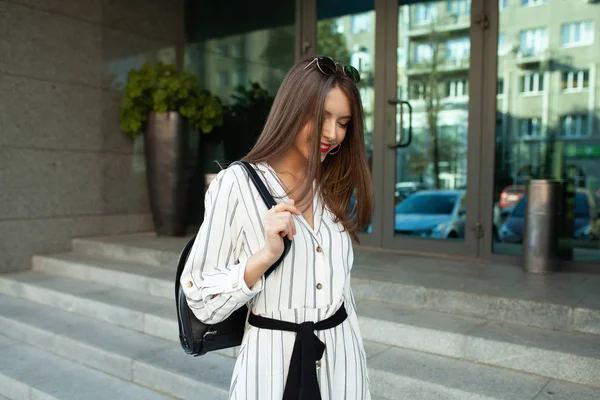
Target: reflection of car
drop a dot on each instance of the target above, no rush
(432, 213)
(405, 189)
(586, 226)
(510, 196)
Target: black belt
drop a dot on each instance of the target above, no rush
(302, 381)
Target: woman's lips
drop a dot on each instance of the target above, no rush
(325, 147)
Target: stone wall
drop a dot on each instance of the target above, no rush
(66, 168)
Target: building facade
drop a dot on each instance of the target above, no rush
(465, 101)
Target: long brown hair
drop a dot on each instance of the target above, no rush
(300, 100)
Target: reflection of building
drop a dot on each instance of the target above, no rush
(225, 63)
(358, 32)
(547, 99)
(433, 65)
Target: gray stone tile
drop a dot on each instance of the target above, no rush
(373, 349)
(159, 19)
(141, 248)
(414, 296)
(187, 375)
(146, 279)
(35, 185)
(114, 139)
(586, 320)
(89, 342)
(65, 379)
(453, 377)
(162, 323)
(20, 239)
(415, 329)
(87, 10)
(59, 48)
(124, 184)
(557, 390)
(123, 51)
(40, 114)
(569, 356)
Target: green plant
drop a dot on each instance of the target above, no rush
(161, 88)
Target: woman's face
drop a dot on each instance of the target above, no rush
(337, 116)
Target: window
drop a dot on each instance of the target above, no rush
(423, 53)
(417, 91)
(500, 87)
(237, 50)
(530, 128)
(425, 13)
(361, 60)
(459, 7)
(533, 42)
(223, 49)
(223, 78)
(361, 23)
(575, 80)
(503, 47)
(533, 2)
(502, 4)
(458, 49)
(457, 88)
(577, 34)
(573, 126)
(531, 83)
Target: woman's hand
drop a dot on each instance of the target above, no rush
(278, 223)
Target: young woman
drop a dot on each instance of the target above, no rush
(302, 340)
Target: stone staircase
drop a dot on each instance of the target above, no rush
(100, 323)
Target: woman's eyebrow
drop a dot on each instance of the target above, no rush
(327, 113)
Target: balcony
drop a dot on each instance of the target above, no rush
(531, 58)
(449, 65)
(448, 24)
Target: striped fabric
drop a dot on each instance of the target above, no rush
(310, 285)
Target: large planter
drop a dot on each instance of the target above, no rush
(166, 147)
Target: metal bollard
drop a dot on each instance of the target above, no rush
(543, 226)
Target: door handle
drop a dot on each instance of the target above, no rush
(401, 143)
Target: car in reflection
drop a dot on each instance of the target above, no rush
(586, 223)
(405, 189)
(438, 214)
(510, 196)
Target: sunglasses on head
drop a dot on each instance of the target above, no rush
(329, 67)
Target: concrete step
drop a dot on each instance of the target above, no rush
(137, 248)
(425, 376)
(569, 356)
(27, 372)
(573, 357)
(144, 278)
(142, 359)
(161, 365)
(500, 294)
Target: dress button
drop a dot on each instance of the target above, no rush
(319, 249)
(189, 284)
(319, 286)
(318, 364)
(234, 285)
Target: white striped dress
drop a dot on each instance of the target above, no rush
(311, 284)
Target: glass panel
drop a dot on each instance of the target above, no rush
(346, 33)
(431, 173)
(231, 48)
(548, 120)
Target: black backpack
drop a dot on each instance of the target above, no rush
(196, 337)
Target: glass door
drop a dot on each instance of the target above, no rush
(431, 136)
(547, 120)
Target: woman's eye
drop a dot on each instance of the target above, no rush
(343, 125)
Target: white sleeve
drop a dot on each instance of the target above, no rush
(213, 276)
